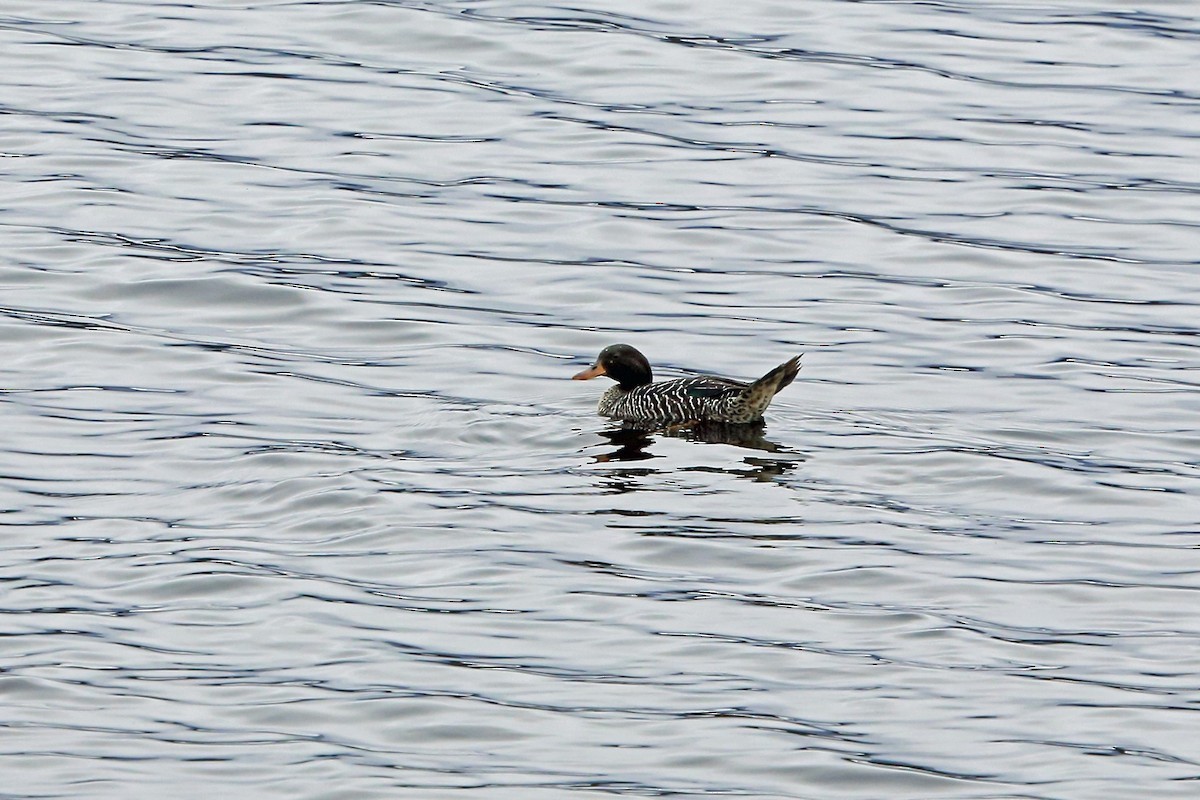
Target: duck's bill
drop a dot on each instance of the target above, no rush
(594, 371)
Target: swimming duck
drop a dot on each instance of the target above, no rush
(703, 399)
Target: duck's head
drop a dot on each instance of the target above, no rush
(622, 363)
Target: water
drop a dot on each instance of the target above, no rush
(299, 501)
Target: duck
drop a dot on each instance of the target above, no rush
(636, 399)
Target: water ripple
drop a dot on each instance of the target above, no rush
(300, 501)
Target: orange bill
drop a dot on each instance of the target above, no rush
(594, 371)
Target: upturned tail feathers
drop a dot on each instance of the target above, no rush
(779, 377)
(759, 394)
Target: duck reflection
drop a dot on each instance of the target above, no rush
(633, 444)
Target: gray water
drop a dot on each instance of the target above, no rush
(299, 502)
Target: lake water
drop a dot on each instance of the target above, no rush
(298, 499)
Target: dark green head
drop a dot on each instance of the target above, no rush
(622, 363)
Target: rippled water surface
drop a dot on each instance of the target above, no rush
(298, 500)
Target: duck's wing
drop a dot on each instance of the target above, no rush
(705, 387)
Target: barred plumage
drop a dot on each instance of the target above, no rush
(637, 400)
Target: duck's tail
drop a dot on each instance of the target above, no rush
(759, 394)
